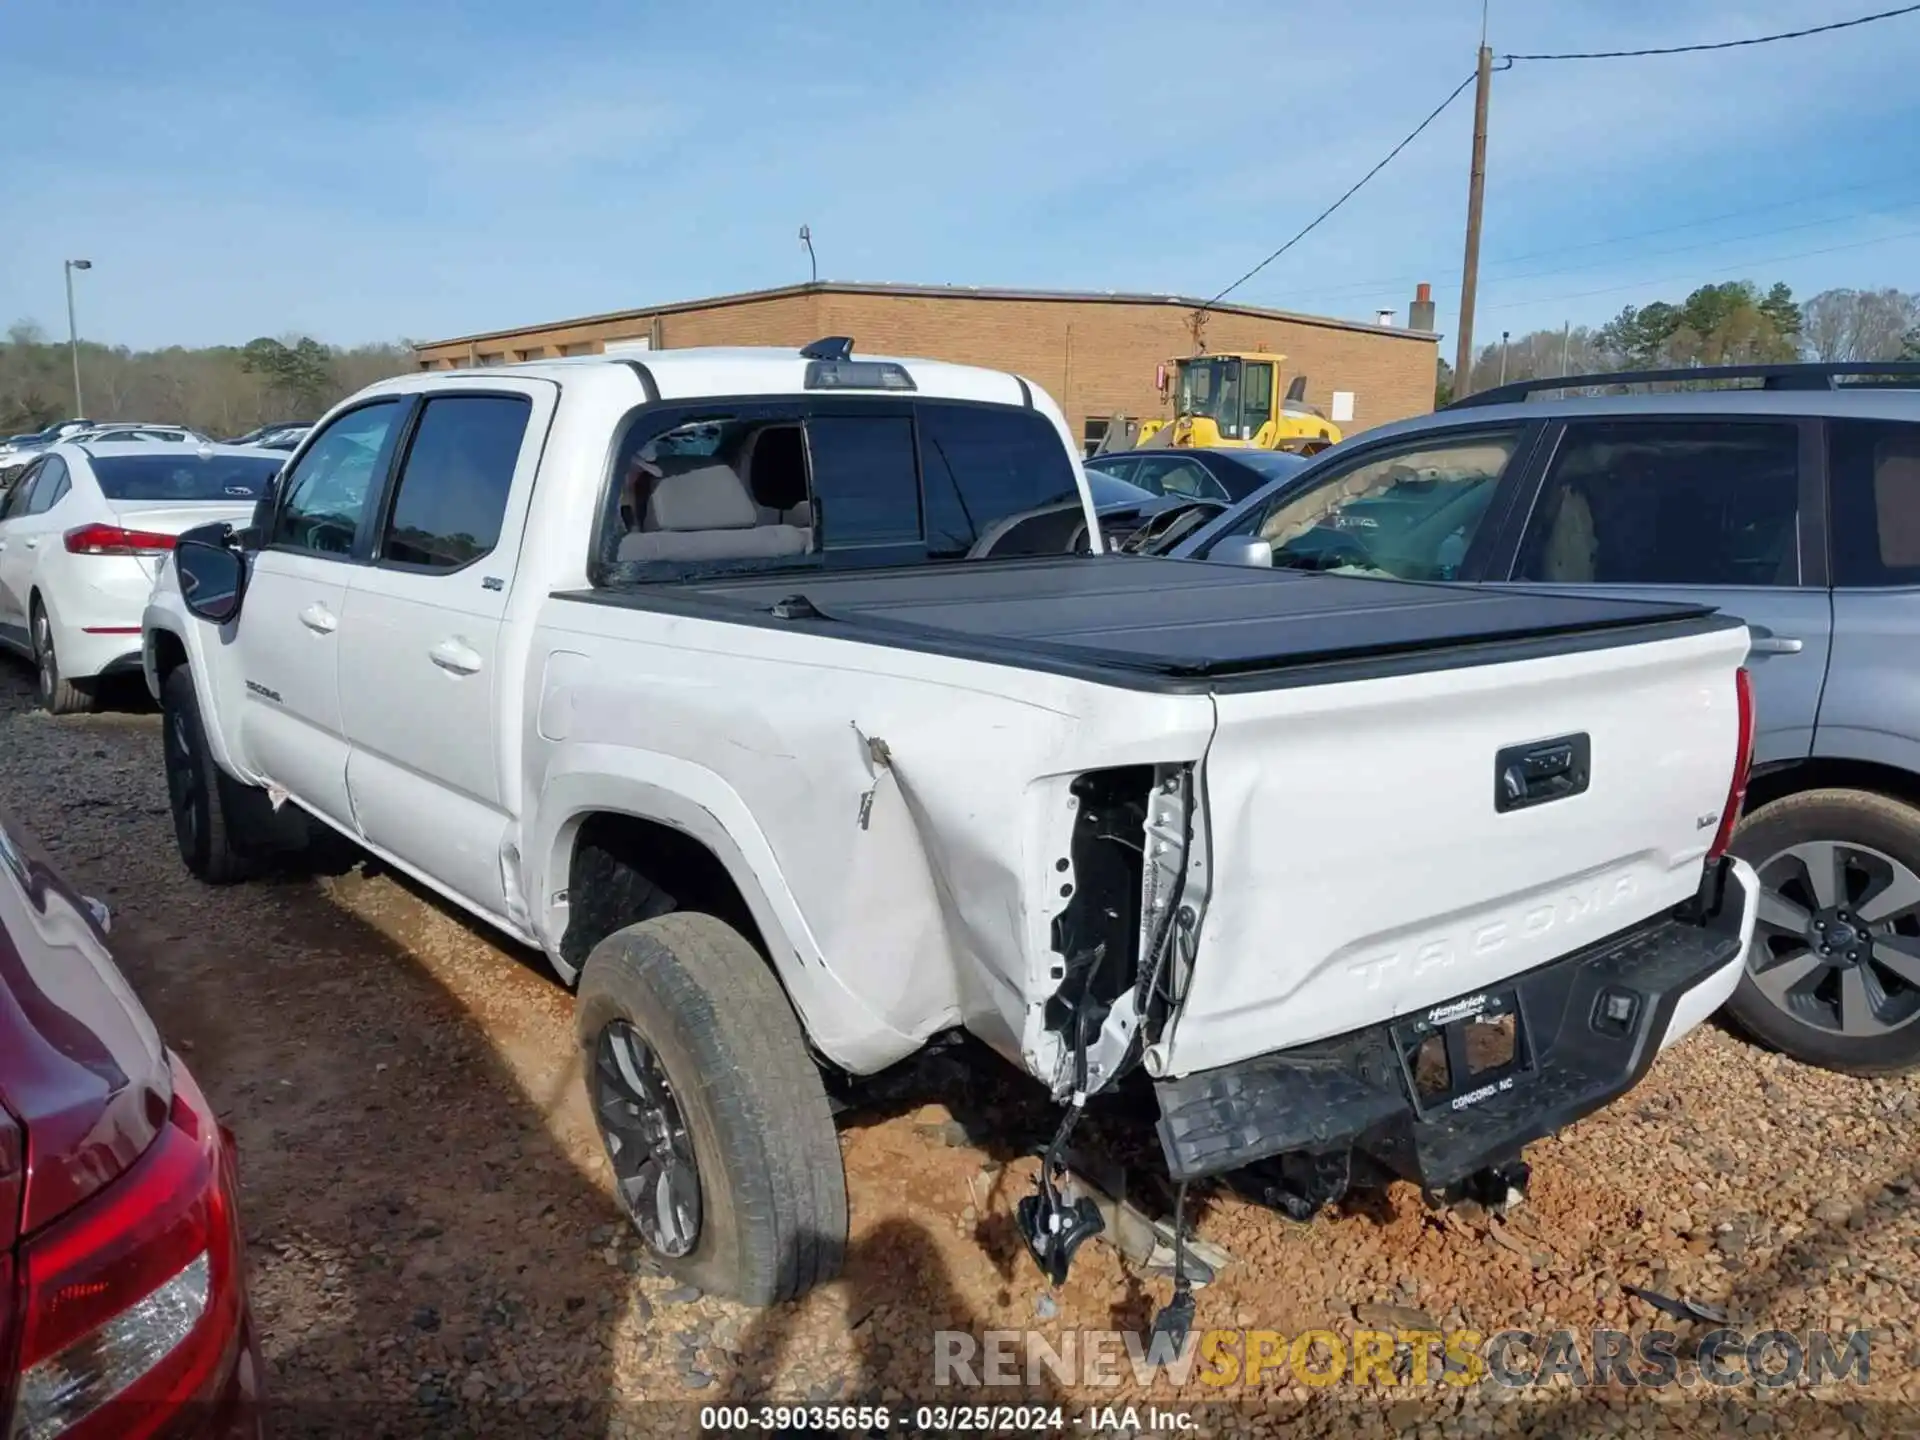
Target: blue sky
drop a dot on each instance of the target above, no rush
(364, 171)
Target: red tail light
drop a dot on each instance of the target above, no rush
(1742, 765)
(131, 1304)
(112, 540)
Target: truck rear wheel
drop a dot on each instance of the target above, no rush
(714, 1117)
(1833, 976)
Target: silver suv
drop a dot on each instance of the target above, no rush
(1792, 502)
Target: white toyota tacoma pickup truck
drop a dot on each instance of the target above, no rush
(788, 702)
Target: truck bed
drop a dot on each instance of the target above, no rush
(1174, 624)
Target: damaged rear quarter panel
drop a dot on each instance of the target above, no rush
(938, 910)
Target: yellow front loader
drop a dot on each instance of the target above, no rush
(1235, 400)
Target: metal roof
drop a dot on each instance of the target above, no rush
(932, 292)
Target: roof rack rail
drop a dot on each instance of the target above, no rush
(1821, 375)
(834, 347)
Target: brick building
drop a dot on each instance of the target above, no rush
(1096, 354)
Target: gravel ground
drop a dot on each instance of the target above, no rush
(435, 1248)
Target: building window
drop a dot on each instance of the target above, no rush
(495, 357)
(532, 352)
(1092, 435)
(583, 347)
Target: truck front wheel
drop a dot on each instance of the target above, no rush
(714, 1117)
(198, 793)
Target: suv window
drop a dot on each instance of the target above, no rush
(327, 493)
(1874, 469)
(1652, 502)
(49, 488)
(985, 465)
(452, 495)
(1411, 514)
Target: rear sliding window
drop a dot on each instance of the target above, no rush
(164, 478)
(835, 484)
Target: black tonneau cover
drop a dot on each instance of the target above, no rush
(1133, 619)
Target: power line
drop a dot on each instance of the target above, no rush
(1506, 62)
(1361, 287)
(1352, 190)
(1728, 270)
(1342, 291)
(1724, 44)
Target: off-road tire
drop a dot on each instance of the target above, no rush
(1851, 817)
(58, 695)
(200, 794)
(773, 1195)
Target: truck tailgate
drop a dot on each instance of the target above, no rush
(1362, 866)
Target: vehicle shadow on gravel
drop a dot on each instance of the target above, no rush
(425, 1257)
(418, 1240)
(904, 1314)
(1753, 1304)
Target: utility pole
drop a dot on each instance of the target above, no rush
(1476, 192)
(1503, 357)
(73, 336)
(806, 239)
(1566, 344)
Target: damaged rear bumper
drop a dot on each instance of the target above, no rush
(1588, 1025)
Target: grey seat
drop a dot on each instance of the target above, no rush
(705, 513)
(781, 495)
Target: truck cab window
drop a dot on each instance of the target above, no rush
(715, 489)
(452, 496)
(327, 493)
(863, 480)
(1665, 502)
(998, 482)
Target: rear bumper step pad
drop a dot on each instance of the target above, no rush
(1354, 1092)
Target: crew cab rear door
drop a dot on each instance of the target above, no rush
(1702, 509)
(421, 692)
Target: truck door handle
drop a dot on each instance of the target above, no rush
(319, 619)
(453, 655)
(31, 544)
(1765, 642)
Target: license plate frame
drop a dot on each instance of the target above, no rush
(1448, 1030)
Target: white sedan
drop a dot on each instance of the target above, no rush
(81, 536)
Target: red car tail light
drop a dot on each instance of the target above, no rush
(131, 1304)
(112, 540)
(1742, 765)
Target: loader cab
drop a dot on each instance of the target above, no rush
(1236, 400)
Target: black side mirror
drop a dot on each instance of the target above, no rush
(212, 571)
